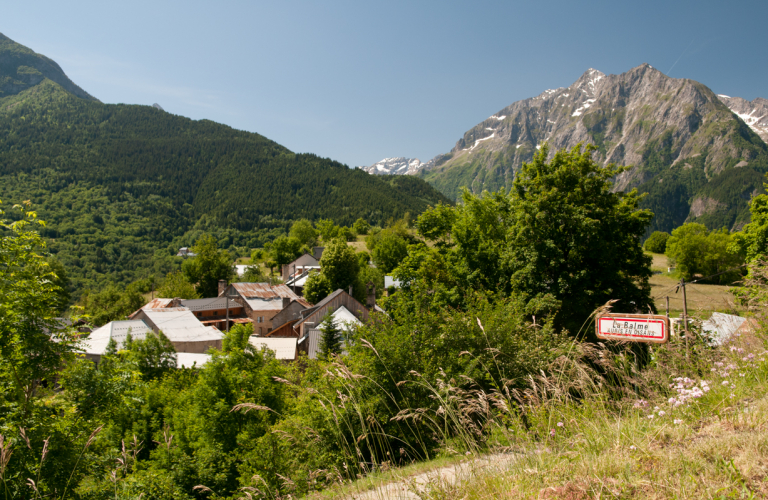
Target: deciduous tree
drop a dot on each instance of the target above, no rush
(657, 242)
(208, 267)
(339, 264)
(695, 251)
(33, 344)
(176, 285)
(303, 231)
(317, 287)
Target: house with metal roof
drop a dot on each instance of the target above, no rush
(298, 280)
(95, 344)
(185, 252)
(214, 311)
(391, 283)
(157, 303)
(298, 266)
(191, 359)
(342, 318)
(285, 349)
(183, 329)
(261, 302)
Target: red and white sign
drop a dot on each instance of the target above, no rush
(633, 328)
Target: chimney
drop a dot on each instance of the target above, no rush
(222, 287)
(350, 289)
(286, 302)
(317, 252)
(175, 302)
(371, 300)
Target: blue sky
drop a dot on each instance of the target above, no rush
(358, 81)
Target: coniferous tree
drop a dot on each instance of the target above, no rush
(330, 340)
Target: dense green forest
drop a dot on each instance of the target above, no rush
(122, 187)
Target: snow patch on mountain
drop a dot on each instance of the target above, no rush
(754, 113)
(395, 166)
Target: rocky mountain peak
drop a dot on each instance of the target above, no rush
(667, 129)
(590, 82)
(754, 113)
(395, 166)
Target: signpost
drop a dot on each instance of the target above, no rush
(633, 328)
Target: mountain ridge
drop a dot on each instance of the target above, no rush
(22, 68)
(678, 135)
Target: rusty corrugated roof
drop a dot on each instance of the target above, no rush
(265, 291)
(157, 303)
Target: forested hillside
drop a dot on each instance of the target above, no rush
(123, 186)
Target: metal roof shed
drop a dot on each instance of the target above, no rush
(283, 347)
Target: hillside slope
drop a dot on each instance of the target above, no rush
(117, 183)
(695, 157)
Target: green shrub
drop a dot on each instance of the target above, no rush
(657, 242)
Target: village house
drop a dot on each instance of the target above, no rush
(196, 338)
(342, 319)
(185, 252)
(213, 312)
(285, 349)
(298, 266)
(183, 329)
(261, 301)
(303, 323)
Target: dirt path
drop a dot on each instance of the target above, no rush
(444, 478)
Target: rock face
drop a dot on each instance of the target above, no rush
(677, 134)
(754, 114)
(395, 166)
(22, 68)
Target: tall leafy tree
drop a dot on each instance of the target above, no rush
(328, 229)
(284, 249)
(657, 242)
(176, 285)
(61, 281)
(303, 231)
(208, 267)
(361, 226)
(317, 287)
(436, 223)
(390, 249)
(112, 304)
(339, 264)
(154, 355)
(33, 345)
(561, 241)
(753, 240)
(572, 240)
(696, 251)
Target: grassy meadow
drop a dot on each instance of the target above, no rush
(703, 299)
